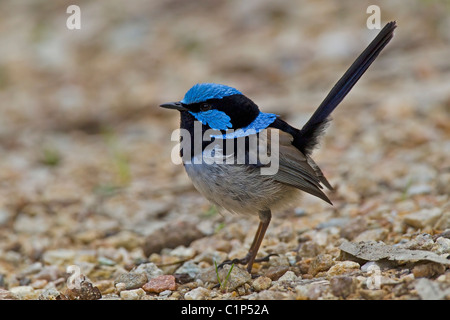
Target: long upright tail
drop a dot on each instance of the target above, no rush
(311, 131)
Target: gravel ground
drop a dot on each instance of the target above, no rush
(91, 207)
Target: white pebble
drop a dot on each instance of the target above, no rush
(197, 294)
(288, 276)
(443, 245)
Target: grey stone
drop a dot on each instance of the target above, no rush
(149, 269)
(430, 290)
(190, 268)
(374, 251)
(132, 280)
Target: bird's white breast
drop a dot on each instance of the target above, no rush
(236, 187)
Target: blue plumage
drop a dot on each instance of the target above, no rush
(204, 91)
(262, 121)
(216, 119)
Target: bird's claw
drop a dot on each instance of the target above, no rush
(245, 260)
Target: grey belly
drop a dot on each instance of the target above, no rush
(239, 188)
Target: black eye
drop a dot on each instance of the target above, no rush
(205, 107)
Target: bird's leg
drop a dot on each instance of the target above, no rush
(264, 221)
(250, 258)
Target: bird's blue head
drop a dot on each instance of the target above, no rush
(221, 107)
(202, 92)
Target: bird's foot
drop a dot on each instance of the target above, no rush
(246, 260)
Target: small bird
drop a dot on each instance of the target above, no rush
(225, 115)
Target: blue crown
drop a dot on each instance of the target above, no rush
(205, 91)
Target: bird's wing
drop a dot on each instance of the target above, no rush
(319, 173)
(294, 168)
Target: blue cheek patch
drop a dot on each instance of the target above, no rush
(216, 119)
(262, 121)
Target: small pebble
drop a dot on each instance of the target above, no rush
(262, 283)
(25, 292)
(236, 278)
(106, 286)
(289, 276)
(149, 269)
(428, 270)
(165, 293)
(135, 294)
(430, 290)
(182, 252)
(50, 294)
(442, 245)
(199, 293)
(276, 272)
(311, 290)
(370, 266)
(132, 280)
(343, 286)
(160, 284)
(7, 295)
(120, 286)
(372, 294)
(85, 291)
(189, 267)
(343, 267)
(322, 262)
(422, 241)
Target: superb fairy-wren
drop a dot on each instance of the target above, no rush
(224, 158)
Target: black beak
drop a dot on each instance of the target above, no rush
(174, 105)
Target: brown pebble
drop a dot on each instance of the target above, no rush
(105, 286)
(86, 291)
(370, 294)
(322, 262)
(275, 273)
(303, 265)
(262, 283)
(160, 284)
(428, 270)
(342, 286)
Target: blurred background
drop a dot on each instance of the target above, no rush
(85, 150)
